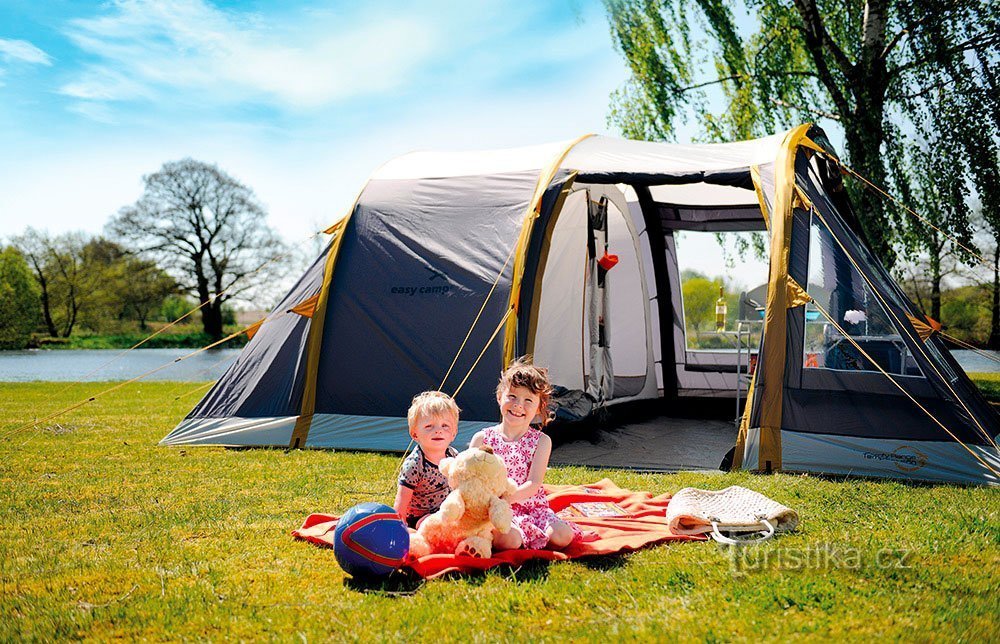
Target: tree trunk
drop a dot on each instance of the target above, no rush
(211, 313)
(994, 341)
(72, 308)
(936, 286)
(865, 131)
(43, 284)
(211, 319)
(50, 326)
(864, 135)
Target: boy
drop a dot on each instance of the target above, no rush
(433, 421)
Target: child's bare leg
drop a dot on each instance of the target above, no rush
(510, 540)
(560, 535)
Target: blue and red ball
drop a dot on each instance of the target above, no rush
(370, 541)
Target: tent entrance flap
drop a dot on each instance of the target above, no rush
(591, 322)
(600, 372)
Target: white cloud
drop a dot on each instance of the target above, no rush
(468, 76)
(23, 51)
(189, 51)
(98, 83)
(304, 177)
(94, 111)
(193, 46)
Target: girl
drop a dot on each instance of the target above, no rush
(524, 389)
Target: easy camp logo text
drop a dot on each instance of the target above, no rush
(436, 284)
(905, 458)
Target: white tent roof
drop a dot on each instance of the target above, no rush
(432, 164)
(603, 154)
(595, 154)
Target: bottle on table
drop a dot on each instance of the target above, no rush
(720, 312)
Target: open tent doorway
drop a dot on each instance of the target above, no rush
(594, 328)
(609, 317)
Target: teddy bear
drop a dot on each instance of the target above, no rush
(464, 523)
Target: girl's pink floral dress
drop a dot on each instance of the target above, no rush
(533, 515)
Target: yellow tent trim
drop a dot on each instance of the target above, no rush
(253, 328)
(924, 329)
(314, 342)
(741, 437)
(759, 189)
(801, 201)
(543, 258)
(809, 143)
(306, 308)
(796, 295)
(521, 252)
(775, 317)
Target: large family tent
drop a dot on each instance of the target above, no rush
(450, 265)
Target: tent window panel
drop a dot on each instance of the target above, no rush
(843, 292)
(707, 261)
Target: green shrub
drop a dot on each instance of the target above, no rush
(175, 306)
(19, 303)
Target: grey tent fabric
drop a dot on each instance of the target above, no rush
(867, 403)
(418, 262)
(266, 378)
(432, 232)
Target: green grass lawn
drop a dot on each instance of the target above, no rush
(106, 535)
(989, 384)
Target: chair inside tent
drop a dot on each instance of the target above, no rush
(450, 265)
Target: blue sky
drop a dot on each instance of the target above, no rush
(299, 100)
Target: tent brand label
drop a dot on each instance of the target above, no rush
(437, 289)
(904, 457)
(440, 288)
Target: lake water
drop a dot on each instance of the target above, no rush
(972, 362)
(25, 366)
(93, 365)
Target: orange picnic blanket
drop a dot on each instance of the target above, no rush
(638, 519)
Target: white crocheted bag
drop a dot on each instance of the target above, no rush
(734, 509)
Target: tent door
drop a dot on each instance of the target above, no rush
(595, 337)
(601, 384)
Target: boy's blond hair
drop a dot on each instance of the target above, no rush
(431, 403)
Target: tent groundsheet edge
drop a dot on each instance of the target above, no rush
(341, 431)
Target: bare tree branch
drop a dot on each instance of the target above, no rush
(816, 31)
(979, 41)
(778, 101)
(206, 227)
(825, 75)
